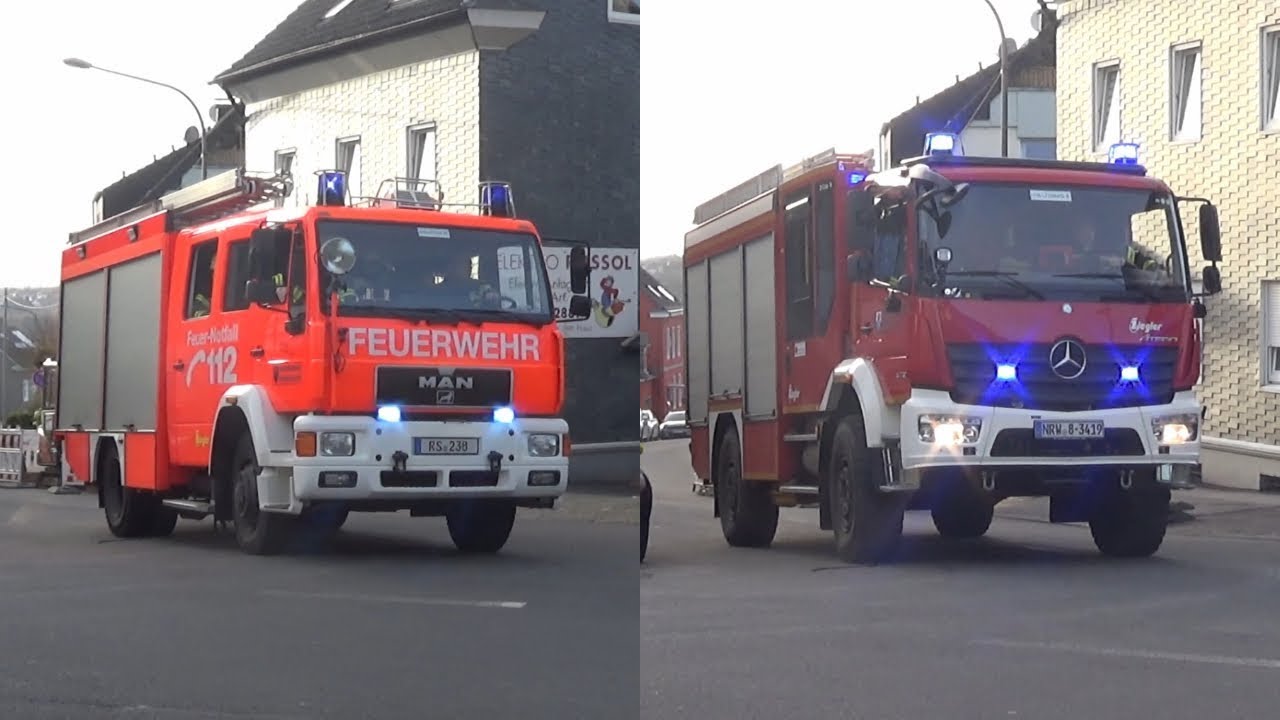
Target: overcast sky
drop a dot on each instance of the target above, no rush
(73, 132)
(726, 96)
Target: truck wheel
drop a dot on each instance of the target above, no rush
(867, 523)
(481, 526)
(646, 511)
(962, 512)
(257, 533)
(1131, 523)
(163, 521)
(129, 512)
(748, 515)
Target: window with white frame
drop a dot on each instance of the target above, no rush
(284, 161)
(1271, 78)
(422, 153)
(347, 160)
(1184, 92)
(1271, 332)
(1106, 105)
(624, 11)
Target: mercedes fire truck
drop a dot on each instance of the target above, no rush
(279, 367)
(941, 336)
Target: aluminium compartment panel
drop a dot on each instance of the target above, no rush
(81, 349)
(697, 313)
(761, 340)
(133, 344)
(728, 324)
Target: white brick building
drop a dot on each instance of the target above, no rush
(1197, 85)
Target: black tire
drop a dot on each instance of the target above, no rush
(962, 512)
(163, 520)
(646, 511)
(257, 532)
(866, 522)
(129, 512)
(1131, 523)
(481, 526)
(748, 515)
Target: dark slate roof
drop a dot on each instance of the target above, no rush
(307, 34)
(951, 109)
(165, 174)
(654, 289)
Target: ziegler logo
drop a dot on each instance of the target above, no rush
(446, 382)
(1137, 326)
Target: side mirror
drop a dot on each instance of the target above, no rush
(579, 306)
(263, 244)
(579, 271)
(857, 268)
(1210, 235)
(1211, 281)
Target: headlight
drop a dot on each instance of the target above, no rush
(337, 444)
(947, 430)
(544, 445)
(1176, 429)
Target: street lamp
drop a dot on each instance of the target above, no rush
(86, 65)
(1004, 83)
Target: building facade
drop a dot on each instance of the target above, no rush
(1197, 86)
(543, 94)
(662, 386)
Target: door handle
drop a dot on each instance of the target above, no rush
(179, 365)
(256, 351)
(866, 329)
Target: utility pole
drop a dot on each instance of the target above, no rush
(5, 359)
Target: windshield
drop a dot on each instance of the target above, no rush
(404, 270)
(1046, 242)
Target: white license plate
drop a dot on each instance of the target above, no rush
(446, 446)
(1067, 429)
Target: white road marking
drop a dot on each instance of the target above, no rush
(397, 599)
(1263, 663)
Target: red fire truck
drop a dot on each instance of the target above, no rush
(279, 368)
(944, 335)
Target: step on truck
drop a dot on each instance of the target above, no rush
(944, 335)
(280, 367)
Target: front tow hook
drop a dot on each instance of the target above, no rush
(495, 461)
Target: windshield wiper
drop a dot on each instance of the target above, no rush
(1008, 277)
(1145, 290)
(1097, 275)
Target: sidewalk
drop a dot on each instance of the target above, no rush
(1204, 502)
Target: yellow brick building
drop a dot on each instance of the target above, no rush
(1197, 84)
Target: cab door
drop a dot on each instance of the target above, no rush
(294, 382)
(882, 325)
(200, 357)
(811, 319)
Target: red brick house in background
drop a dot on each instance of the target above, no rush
(662, 364)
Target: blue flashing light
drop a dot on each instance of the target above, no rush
(1129, 373)
(942, 143)
(495, 198)
(332, 188)
(1123, 154)
(504, 415)
(856, 177)
(1006, 372)
(389, 413)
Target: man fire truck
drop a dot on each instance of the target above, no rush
(278, 368)
(944, 335)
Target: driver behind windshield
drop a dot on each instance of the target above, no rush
(457, 282)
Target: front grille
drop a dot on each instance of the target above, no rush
(1037, 387)
(1023, 443)
(434, 387)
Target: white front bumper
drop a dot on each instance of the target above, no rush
(376, 443)
(917, 454)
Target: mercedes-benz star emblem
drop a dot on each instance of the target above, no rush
(1067, 359)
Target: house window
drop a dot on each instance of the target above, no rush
(1106, 106)
(1040, 149)
(422, 153)
(1271, 332)
(1271, 78)
(348, 161)
(1184, 93)
(284, 161)
(624, 11)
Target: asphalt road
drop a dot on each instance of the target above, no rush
(1029, 622)
(389, 623)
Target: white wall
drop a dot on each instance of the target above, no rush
(1032, 116)
(379, 108)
